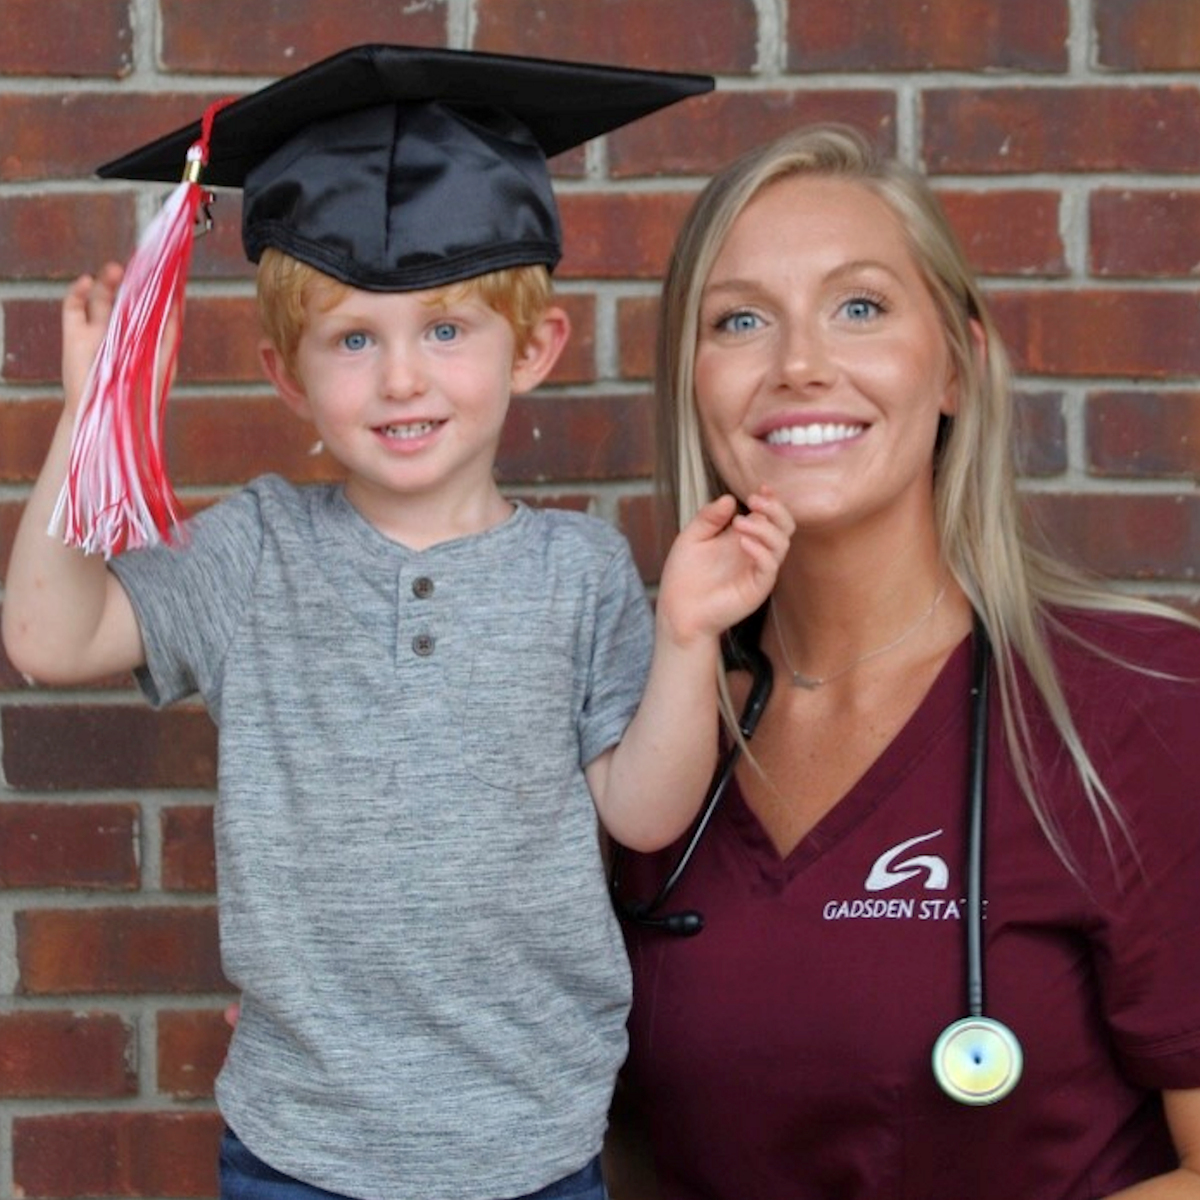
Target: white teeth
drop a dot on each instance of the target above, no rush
(812, 435)
(415, 430)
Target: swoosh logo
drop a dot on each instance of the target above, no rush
(886, 872)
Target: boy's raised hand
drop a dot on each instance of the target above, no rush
(723, 565)
(86, 310)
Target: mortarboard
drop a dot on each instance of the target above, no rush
(395, 168)
(390, 168)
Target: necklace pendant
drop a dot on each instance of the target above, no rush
(807, 682)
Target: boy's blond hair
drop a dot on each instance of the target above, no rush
(520, 295)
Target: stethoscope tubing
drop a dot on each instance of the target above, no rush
(976, 1059)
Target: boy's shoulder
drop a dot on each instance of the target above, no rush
(566, 528)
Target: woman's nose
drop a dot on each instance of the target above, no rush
(804, 360)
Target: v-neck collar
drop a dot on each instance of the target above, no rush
(943, 710)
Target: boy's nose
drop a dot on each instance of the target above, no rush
(404, 375)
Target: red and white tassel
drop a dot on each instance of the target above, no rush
(117, 495)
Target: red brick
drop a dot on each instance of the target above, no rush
(613, 236)
(232, 37)
(991, 131)
(107, 746)
(220, 341)
(72, 1055)
(231, 440)
(1143, 434)
(60, 236)
(637, 325)
(1041, 434)
(578, 437)
(918, 35)
(65, 135)
(578, 361)
(116, 1154)
(76, 37)
(10, 514)
(1008, 232)
(10, 678)
(1145, 233)
(703, 135)
(712, 36)
(1147, 35)
(1124, 536)
(649, 534)
(26, 427)
(188, 863)
(32, 341)
(191, 1049)
(1153, 334)
(65, 952)
(69, 845)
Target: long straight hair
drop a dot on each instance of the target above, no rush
(1014, 587)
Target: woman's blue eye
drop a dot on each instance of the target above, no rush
(861, 308)
(445, 331)
(355, 341)
(739, 322)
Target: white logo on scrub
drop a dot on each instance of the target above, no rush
(886, 872)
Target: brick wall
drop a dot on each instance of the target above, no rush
(1065, 137)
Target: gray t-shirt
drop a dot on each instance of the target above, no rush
(434, 988)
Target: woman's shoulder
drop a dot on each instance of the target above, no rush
(1128, 673)
(1151, 643)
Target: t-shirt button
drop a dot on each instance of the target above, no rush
(422, 587)
(423, 644)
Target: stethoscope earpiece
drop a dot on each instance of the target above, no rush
(977, 1060)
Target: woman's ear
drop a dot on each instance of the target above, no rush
(541, 350)
(979, 349)
(291, 390)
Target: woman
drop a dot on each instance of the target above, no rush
(822, 337)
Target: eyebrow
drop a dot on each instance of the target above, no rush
(853, 267)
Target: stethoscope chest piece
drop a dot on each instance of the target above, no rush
(977, 1060)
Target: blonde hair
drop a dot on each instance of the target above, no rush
(285, 285)
(1013, 587)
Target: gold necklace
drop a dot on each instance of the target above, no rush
(810, 683)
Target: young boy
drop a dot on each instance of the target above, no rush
(425, 693)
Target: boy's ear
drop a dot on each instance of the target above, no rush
(291, 390)
(545, 343)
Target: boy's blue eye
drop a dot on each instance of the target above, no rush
(445, 331)
(355, 341)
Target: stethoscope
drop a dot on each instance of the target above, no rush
(976, 1059)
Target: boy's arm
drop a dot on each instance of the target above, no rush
(720, 569)
(66, 619)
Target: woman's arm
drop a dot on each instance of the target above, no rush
(1183, 1116)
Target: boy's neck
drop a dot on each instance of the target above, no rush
(419, 522)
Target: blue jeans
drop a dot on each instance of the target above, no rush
(245, 1177)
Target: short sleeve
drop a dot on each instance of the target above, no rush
(188, 598)
(1148, 944)
(619, 661)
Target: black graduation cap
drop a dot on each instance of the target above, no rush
(396, 168)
